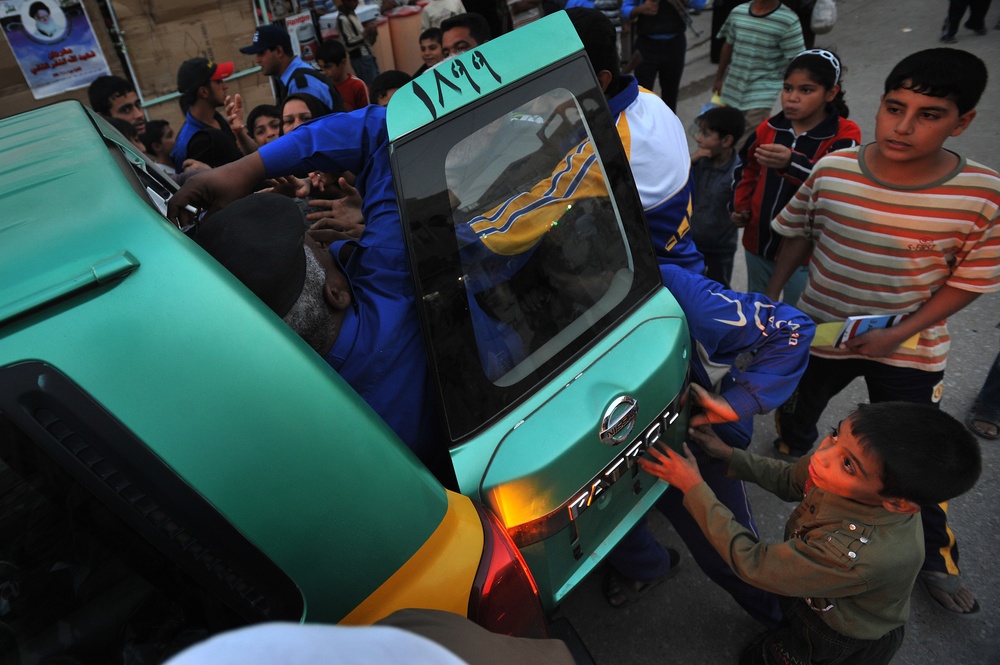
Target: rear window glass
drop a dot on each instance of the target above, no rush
(526, 246)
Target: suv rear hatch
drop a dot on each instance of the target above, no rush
(558, 355)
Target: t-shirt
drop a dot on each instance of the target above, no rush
(437, 11)
(525, 17)
(762, 48)
(354, 91)
(884, 249)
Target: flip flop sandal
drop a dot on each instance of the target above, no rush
(974, 421)
(620, 591)
(949, 584)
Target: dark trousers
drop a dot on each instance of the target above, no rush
(719, 267)
(825, 378)
(666, 58)
(803, 639)
(956, 10)
(640, 557)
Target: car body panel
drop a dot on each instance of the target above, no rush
(134, 345)
(441, 566)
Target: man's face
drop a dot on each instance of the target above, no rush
(268, 62)
(128, 108)
(430, 51)
(217, 92)
(457, 41)
(912, 127)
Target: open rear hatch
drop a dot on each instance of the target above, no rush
(556, 351)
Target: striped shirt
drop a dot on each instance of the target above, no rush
(763, 45)
(884, 249)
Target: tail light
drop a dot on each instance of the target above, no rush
(504, 596)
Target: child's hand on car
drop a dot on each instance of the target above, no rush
(681, 471)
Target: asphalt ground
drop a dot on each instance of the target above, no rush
(690, 620)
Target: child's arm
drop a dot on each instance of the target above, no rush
(800, 166)
(884, 341)
(745, 179)
(792, 253)
(725, 57)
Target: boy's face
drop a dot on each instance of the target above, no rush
(910, 126)
(349, 5)
(333, 70)
(710, 140)
(266, 129)
(430, 51)
(843, 467)
(168, 141)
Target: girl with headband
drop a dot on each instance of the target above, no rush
(779, 155)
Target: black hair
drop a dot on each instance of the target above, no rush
(125, 127)
(432, 33)
(600, 41)
(388, 80)
(479, 29)
(927, 455)
(949, 73)
(724, 121)
(105, 88)
(332, 51)
(316, 108)
(37, 7)
(153, 134)
(261, 110)
(822, 72)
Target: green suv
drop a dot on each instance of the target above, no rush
(175, 461)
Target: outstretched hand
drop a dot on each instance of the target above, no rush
(681, 471)
(716, 408)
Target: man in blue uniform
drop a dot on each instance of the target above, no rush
(272, 47)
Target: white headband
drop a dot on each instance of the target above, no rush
(826, 55)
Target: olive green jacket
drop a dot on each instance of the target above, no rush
(854, 564)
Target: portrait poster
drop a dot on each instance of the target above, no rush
(54, 44)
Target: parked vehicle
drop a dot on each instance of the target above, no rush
(175, 461)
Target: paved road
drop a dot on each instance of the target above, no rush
(689, 620)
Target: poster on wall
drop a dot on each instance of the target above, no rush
(53, 43)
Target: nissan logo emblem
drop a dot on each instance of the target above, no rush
(619, 419)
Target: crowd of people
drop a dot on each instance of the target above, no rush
(817, 203)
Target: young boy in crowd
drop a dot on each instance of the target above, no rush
(158, 140)
(359, 40)
(928, 219)
(386, 83)
(853, 546)
(430, 50)
(761, 37)
(712, 166)
(264, 122)
(332, 59)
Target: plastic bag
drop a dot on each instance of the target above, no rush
(824, 16)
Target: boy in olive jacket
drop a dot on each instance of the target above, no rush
(854, 545)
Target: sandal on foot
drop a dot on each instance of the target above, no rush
(937, 584)
(620, 591)
(982, 426)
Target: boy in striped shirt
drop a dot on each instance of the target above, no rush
(898, 226)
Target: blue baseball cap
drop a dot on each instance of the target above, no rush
(267, 37)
